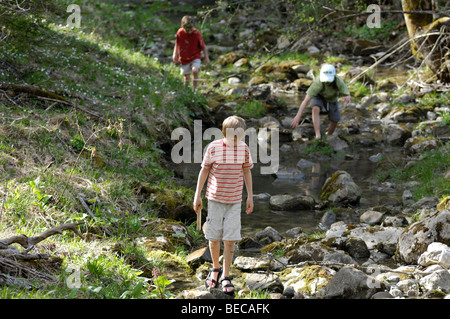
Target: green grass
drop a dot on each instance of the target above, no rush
(50, 153)
(429, 172)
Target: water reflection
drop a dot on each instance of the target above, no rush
(302, 176)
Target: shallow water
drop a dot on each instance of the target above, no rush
(309, 181)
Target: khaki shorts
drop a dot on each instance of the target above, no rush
(223, 221)
(331, 108)
(187, 68)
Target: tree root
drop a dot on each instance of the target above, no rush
(10, 268)
(29, 242)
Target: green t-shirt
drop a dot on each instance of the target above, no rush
(329, 92)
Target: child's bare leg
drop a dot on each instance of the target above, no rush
(195, 73)
(316, 120)
(187, 79)
(214, 248)
(332, 127)
(228, 252)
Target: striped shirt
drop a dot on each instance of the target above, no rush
(226, 176)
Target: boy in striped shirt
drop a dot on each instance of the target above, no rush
(227, 162)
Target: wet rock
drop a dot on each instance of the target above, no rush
(286, 173)
(351, 283)
(340, 188)
(327, 219)
(269, 282)
(262, 197)
(356, 247)
(302, 164)
(291, 202)
(371, 217)
(337, 143)
(415, 239)
(270, 233)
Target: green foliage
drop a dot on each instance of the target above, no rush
(250, 109)
(366, 33)
(429, 171)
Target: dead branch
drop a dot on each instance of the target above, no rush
(33, 91)
(29, 242)
(42, 94)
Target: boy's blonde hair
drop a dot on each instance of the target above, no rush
(234, 125)
(187, 22)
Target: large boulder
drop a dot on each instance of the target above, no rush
(417, 145)
(308, 280)
(381, 238)
(351, 283)
(289, 202)
(415, 239)
(340, 188)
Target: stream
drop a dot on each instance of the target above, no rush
(307, 180)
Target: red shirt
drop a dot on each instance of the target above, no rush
(190, 45)
(226, 174)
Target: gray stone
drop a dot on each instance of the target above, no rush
(339, 188)
(371, 217)
(351, 283)
(288, 202)
(415, 239)
(268, 282)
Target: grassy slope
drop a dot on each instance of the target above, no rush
(100, 67)
(50, 153)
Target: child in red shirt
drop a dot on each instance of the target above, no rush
(188, 50)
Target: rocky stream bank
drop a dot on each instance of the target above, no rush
(373, 239)
(375, 242)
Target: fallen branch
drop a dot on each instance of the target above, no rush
(34, 91)
(42, 94)
(29, 242)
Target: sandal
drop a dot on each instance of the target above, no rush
(211, 278)
(230, 285)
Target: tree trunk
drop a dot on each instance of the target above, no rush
(433, 42)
